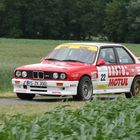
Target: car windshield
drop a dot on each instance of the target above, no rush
(73, 53)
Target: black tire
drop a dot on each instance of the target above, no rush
(85, 89)
(25, 96)
(128, 95)
(135, 88)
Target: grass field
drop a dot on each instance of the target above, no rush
(17, 52)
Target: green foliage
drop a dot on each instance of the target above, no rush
(117, 20)
(134, 21)
(10, 22)
(99, 120)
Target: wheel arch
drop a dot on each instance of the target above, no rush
(138, 75)
(85, 75)
(130, 93)
(80, 95)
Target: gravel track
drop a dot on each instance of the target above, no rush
(38, 99)
(14, 101)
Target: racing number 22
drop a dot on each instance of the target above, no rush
(103, 77)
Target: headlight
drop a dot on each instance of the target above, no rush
(62, 76)
(24, 74)
(55, 75)
(18, 73)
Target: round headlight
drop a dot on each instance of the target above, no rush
(55, 75)
(18, 73)
(24, 74)
(62, 76)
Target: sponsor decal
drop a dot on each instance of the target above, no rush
(20, 90)
(28, 83)
(72, 85)
(132, 71)
(56, 92)
(47, 76)
(118, 71)
(77, 46)
(94, 75)
(18, 86)
(75, 75)
(138, 69)
(17, 82)
(102, 86)
(118, 82)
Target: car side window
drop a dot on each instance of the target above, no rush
(124, 56)
(108, 55)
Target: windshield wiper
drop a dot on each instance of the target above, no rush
(67, 60)
(52, 59)
(71, 60)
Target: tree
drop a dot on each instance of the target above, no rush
(11, 20)
(116, 24)
(86, 18)
(119, 20)
(2, 11)
(134, 21)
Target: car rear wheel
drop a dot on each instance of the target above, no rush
(85, 89)
(135, 88)
(25, 96)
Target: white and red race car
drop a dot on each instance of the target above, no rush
(81, 70)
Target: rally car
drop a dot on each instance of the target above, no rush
(80, 70)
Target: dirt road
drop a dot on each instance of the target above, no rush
(40, 99)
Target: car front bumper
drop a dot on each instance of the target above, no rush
(45, 87)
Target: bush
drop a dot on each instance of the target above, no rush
(111, 119)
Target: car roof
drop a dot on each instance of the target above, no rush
(94, 44)
(98, 45)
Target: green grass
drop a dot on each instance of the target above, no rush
(135, 48)
(97, 120)
(18, 52)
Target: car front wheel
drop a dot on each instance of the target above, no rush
(85, 89)
(25, 96)
(135, 88)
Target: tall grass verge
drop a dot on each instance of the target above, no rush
(98, 120)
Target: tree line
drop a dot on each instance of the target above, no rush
(113, 20)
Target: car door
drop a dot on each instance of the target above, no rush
(109, 56)
(127, 68)
(115, 75)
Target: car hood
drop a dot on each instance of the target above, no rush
(54, 66)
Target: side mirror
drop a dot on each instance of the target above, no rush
(100, 62)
